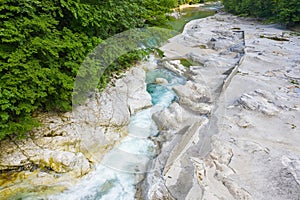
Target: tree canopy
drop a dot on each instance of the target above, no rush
(43, 43)
(283, 11)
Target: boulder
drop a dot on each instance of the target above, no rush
(194, 96)
(11, 158)
(174, 66)
(138, 97)
(174, 118)
(161, 81)
(62, 162)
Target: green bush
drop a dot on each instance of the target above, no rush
(43, 43)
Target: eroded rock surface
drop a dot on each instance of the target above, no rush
(248, 145)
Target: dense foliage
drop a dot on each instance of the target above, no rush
(43, 43)
(193, 1)
(284, 11)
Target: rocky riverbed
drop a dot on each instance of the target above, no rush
(233, 132)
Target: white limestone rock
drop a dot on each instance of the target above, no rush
(174, 66)
(195, 96)
(174, 118)
(138, 97)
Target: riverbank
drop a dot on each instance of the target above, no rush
(234, 132)
(54, 157)
(190, 6)
(185, 13)
(184, 6)
(69, 147)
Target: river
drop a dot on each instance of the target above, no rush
(123, 166)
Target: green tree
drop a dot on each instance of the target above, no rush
(289, 12)
(284, 11)
(43, 43)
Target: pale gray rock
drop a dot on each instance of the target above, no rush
(220, 43)
(254, 153)
(293, 166)
(62, 162)
(138, 97)
(193, 91)
(258, 101)
(167, 171)
(213, 174)
(194, 96)
(177, 64)
(161, 81)
(174, 118)
(158, 190)
(114, 105)
(174, 66)
(11, 157)
(293, 73)
(58, 161)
